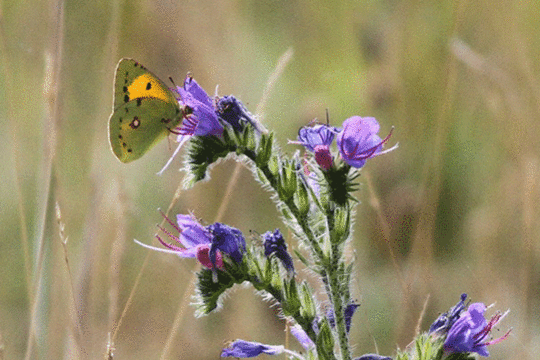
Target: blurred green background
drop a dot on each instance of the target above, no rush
(454, 209)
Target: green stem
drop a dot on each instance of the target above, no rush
(301, 220)
(331, 272)
(336, 289)
(337, 301)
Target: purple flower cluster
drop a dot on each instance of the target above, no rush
(357, 141)
(467, 330)
(470, 332)
(204, 117)
(206, 243)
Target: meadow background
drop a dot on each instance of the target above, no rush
(454, 209)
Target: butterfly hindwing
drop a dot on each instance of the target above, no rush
(134, 129)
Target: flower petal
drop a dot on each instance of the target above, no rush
(249, 349)
(359, 140)
(462, 336)
(192, 232)
(203, 120)
(302, 337)
(228, 240)
(312, 136)
(373, 357)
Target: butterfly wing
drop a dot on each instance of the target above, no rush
(133, 81)
(144, 110)
(136, 126)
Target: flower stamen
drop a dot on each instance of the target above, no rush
(170, 221)
(169, 246)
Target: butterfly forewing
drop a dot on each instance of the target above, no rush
(133, 81)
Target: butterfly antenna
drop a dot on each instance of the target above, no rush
(175, 88)
(327, 118)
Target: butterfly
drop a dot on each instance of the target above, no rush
(144, 112)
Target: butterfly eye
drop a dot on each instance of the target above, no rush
(188, 110)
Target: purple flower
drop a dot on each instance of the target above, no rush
(317, 135)
(445, 321)
(349, 312)
(274, 244)
(358, 141)
(228, 240)
(373, 357)
(469, 332)
(318, 139)
(207, 244)
(232, 111)
(201, 118)
(248, 349)
(302, 337)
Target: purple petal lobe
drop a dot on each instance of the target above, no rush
(194, 90)
(192, 232)
(203, 120)
(312, 136)
(373, 357)
(228, 240)
(302, 337)
(249, 349)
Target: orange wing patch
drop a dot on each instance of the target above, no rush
(147, 86)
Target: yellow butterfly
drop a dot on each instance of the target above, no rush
(144, 111)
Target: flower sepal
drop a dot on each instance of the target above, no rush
(341, 183)
(211, 285)
(205, 151)
(325, 341)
